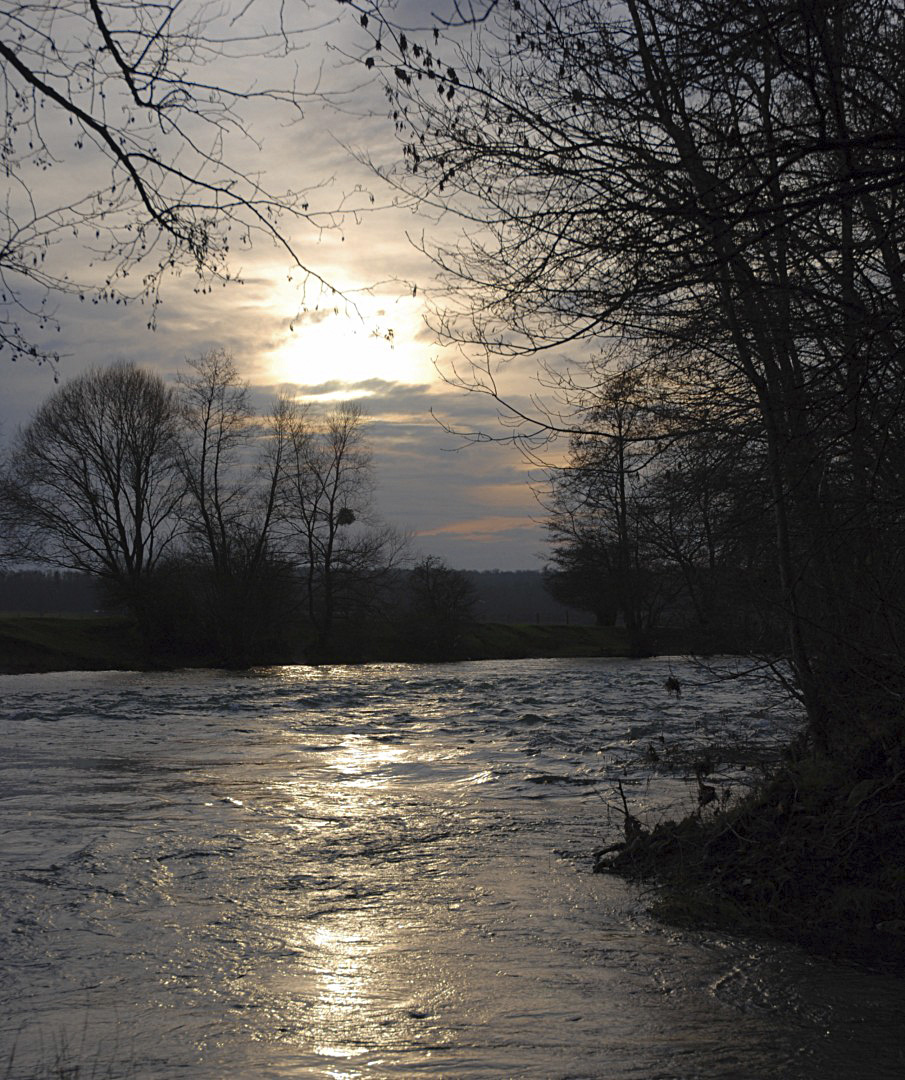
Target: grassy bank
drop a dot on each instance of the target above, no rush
(514, 641)
(67, 643)
(815, 854)
(34, 643)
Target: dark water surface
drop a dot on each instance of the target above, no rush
(386, 871)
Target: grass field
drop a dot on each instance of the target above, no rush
(511, 641)
(32, 643)
(67, 642)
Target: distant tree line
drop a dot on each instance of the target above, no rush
(493, 596)
(42, 592)
(226, 536)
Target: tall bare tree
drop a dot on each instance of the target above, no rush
(327, 518)
(721, 185)
(441, 605)
(231, 465)
(93, 482)
(596, 502)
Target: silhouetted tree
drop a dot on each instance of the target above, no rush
(326, 493)
(681, 533)
(93, 483)
(231, 470)
(719, 185)
(707, 520)
(581, 568)
(441, 606)
(137, 110)
(596, 502)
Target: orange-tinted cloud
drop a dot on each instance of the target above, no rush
(480, 528)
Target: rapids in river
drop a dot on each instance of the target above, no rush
(365, 872)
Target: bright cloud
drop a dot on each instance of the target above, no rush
(367, 341)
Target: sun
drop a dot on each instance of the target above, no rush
(378, 341)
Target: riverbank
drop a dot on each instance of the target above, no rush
(36, 643)
(815, 855)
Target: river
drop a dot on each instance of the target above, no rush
(364, 872)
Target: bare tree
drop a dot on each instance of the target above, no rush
(597, 514)
(217, 421)
(678, 532)
(721, 185)
(707, 513)
(327, 520)
(93, 483)
(143, 112)
(441, 606)
(231, 468)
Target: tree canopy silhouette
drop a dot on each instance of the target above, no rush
(128, 143)
(717, 186)
(93, 483)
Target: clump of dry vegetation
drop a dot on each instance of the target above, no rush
(813, 853)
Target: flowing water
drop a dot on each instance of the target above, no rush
(386, 871)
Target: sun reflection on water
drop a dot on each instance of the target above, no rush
(359, 759)
(343, 991)
(356, 985)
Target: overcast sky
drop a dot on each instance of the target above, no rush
(472, 506)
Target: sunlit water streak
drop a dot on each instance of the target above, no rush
(386, 871)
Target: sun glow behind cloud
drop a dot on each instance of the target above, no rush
(379, 338)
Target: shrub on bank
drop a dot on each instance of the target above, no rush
(815, 854)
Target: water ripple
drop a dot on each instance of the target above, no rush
(385, 871)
